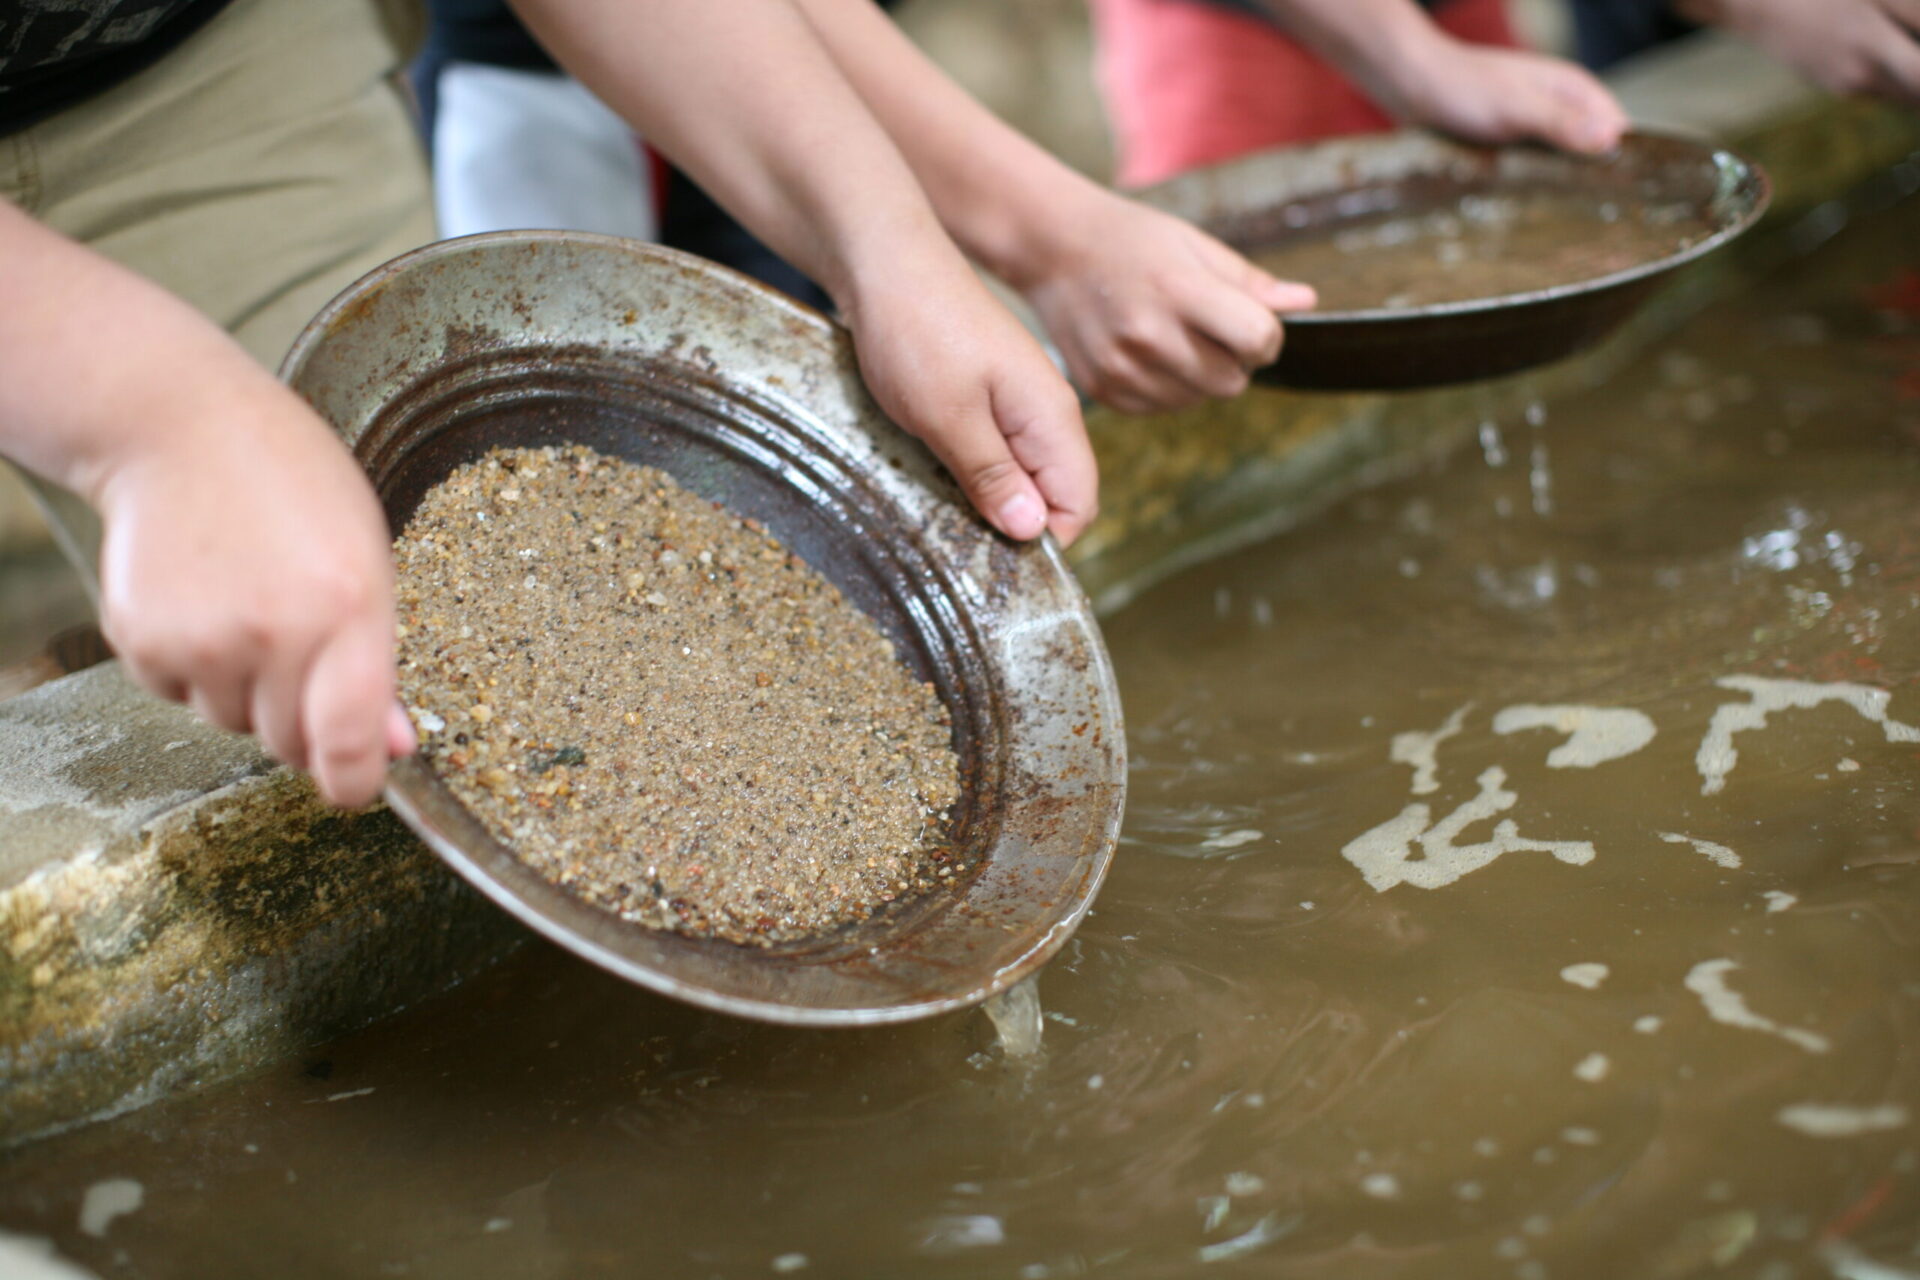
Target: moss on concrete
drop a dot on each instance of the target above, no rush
(177, 935)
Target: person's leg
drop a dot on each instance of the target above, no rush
(256, 171)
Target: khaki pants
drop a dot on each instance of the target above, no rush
(255, 171)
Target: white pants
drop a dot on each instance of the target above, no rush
(518, 149)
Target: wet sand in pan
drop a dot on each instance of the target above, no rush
(660, 708)
(1483, 247)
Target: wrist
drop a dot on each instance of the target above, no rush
(139, 450)
(1041, 230)
(1409, 73)
(909, 256)
(1021, 221)
(177, 415)
(1390, 48)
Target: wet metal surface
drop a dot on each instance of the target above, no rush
(1270, 200)
(534, 338)
(1333, 1016)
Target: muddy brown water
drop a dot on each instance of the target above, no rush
(1484, 246)
(1421, 958)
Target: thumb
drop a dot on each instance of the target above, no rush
(1039, 418)
(1237, 271)
(973, 450)
(1279, 295)
(401, 739)
(1580, 114)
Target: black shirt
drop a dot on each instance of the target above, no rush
(54, 53)
(483, 31)
(1608, 31)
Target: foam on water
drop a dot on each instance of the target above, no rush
(1385, 855)
(1708, 980)
(1835, 1120)
(1589, 975)
(1717, 755)
(32, 1258)
(1595, 735)
(1718, 854)
(1421, 750)
(108, 1199)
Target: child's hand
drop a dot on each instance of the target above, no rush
(246, 572)
(1487, 94)
(1848, 46)
(246, 567)
(1151, 313)
(953, 367)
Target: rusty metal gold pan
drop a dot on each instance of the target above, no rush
(530, 338)
(1274, 198)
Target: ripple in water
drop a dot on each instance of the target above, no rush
(1610, 1007)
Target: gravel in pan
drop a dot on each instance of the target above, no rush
(658, 707)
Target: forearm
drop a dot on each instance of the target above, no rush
(1422, 75)
(1000, 195)
(742, 96)
(92, 355)
(1376, 43)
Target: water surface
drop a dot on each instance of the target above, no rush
(1519, 881)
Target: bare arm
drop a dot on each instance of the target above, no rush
(1422, 75)
(1849, 46)
(997, 191)
(245, 569)
(740, 94)
(743, 97)
(1148, 312)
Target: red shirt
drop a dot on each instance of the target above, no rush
(1189, 84)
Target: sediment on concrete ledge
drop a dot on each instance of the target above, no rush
(174, 910)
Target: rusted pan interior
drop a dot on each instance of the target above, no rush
(1271, 199)
(530, 338)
